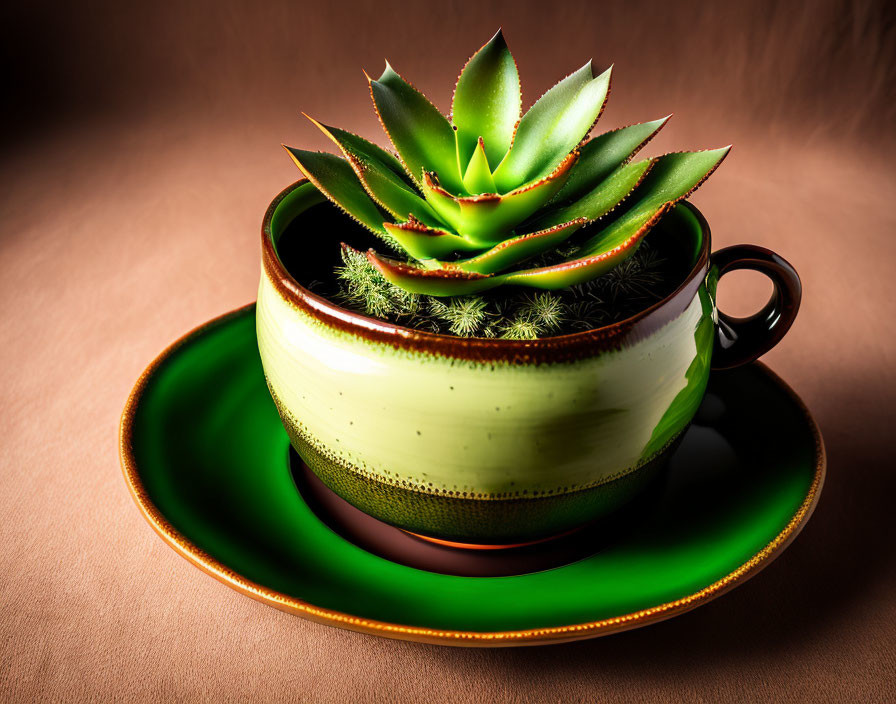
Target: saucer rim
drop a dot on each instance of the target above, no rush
(422, 634)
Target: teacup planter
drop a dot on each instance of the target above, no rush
(484, 439)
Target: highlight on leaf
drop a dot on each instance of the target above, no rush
(553, 127)
(487, 102)
(602, 155)
(422, 136)
(335, 179)
(424, 243)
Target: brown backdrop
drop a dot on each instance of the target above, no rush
(139, 150)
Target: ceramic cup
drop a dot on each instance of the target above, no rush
(492, 441)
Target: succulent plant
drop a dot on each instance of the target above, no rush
(474, 202)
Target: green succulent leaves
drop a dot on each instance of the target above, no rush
(335, 179)
(487, 219)
(552, 128)
(487, 102)
(517, 249)
(478, 176)
(602, 198)
(470, 202)
(421, 134)
(600, 156)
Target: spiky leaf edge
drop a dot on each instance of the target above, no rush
(469, 215)
(425, 243)
(385, 188)
(466, 143)
(534, 173)
(448, 175)
(375, 223)
(565, 195)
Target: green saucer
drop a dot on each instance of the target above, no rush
(206, 459)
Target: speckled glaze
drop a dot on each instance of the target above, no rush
(479, 440)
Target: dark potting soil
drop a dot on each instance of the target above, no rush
(310, 250)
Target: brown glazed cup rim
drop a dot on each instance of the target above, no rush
(560, 348)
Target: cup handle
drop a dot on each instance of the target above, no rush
(741, 340)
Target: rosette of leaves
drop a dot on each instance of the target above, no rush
(476, 201)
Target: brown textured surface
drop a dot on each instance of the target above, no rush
(141, 151)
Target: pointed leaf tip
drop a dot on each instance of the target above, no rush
(553, 127)
(356, 148)
(335, 179)
(316, 123)
(387, 71)
(487, 102)
(487, 219)
(478, 177)
(421, 134)
(598, 256)
(673, 178)
(602, 155)
(604, 196)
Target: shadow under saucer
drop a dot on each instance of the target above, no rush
(406, 548)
